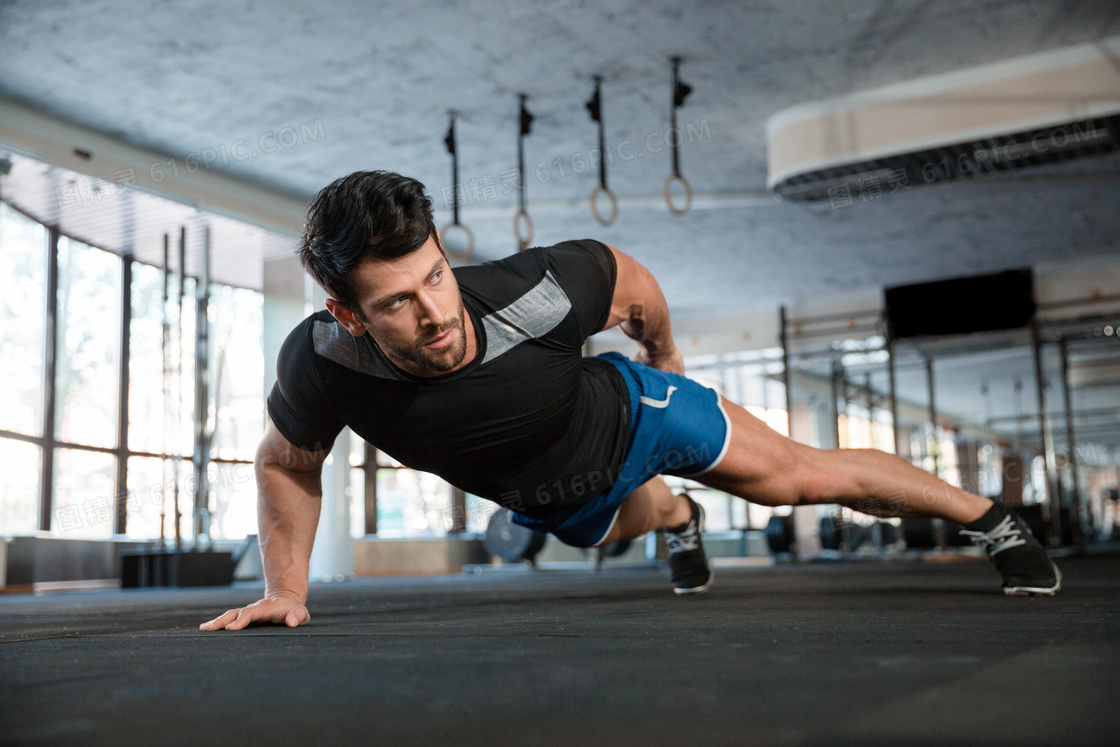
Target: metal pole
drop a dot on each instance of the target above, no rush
(370, 475)
(936, 449)
(894, 399)
(783, 321)
(50, 385)
(1051, 507)
(177, 461)
(122, 398)
(1071, 444)
(166, 350)
(876, 528)
(202, 427)
(837, 377)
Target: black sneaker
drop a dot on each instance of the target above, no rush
(688, 565)
(1026, 568)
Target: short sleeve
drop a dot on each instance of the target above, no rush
(297, 403)
(586, 270)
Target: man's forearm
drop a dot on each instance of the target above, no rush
(288, 505)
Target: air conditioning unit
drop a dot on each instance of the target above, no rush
(1033, 110)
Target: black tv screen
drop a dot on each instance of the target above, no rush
(978, 303)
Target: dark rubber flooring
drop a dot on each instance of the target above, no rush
(814, 654)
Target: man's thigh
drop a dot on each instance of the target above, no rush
(761, 464)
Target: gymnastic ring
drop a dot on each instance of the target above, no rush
(595, 205)
(523, 243)
(470, 241)
(669, 197)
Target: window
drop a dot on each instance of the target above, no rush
(237, 371)
(89, 322)
(21, 466)
(84, 494)
(23, 270)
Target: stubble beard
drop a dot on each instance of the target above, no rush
(439, 361)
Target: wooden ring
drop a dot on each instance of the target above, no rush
(595, 205)
(669, 197)
(523, 243)
(470, 241)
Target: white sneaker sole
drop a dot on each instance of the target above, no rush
(698, 589)
(1036, 591)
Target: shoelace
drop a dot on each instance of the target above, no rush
(687, 540)
(1005, 536)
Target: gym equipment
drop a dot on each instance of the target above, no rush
(167, 566)
(595, 106)
(680, 93)
(831, 532)
(779, 534)
(449, 141)
(509, 541)
(526, 121)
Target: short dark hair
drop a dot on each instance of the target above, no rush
(366, 215)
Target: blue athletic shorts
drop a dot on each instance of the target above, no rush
(677, 427)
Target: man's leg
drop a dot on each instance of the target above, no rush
(765, 467)
(652, 506)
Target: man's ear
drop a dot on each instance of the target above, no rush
(346, 318)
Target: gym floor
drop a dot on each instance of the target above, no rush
(928, 653)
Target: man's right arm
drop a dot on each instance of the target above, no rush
(289, 498)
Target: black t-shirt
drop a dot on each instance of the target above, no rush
(529, 422)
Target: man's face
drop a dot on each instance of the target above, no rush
(412, 308)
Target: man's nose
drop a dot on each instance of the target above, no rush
(431, 311)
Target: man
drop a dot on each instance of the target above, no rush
(478, 376)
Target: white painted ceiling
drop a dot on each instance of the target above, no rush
(380, 76)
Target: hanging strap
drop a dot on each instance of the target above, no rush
(681, 90)
(526, 120)
(449, 141)
(595, 107)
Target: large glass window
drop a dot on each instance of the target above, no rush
(146, 380)
(151, 492)
(233, 501)
(411, 502)
(87, 396)
(23, 262)
(157, 402)
(21, 467)
(237, 369)
(84, 495)
(89, 322)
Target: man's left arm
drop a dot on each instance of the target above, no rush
(638, 308)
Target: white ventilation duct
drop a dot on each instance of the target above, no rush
(1026, 111)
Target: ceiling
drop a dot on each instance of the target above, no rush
(376, 79)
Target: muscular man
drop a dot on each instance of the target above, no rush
(478, 376)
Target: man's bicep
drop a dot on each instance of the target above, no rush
(276, 448)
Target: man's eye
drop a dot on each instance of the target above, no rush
(437, 276)
(397, 303)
